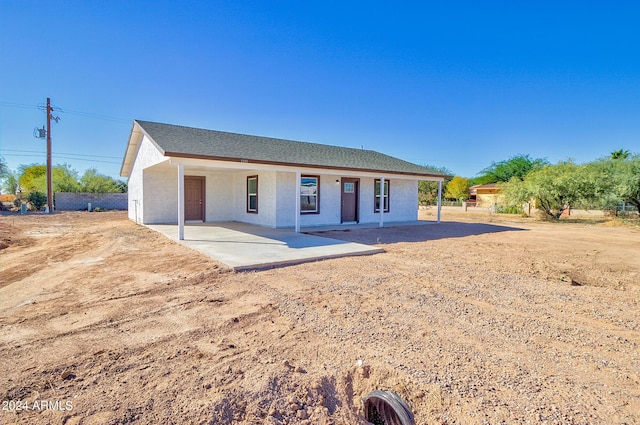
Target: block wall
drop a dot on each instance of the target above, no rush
(66, 201)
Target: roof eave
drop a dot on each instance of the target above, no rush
(300, 165)
(135, 138)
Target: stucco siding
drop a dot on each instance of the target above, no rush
(329, 194)
(219, 206)
(485, 200)
(329, 204)
(160, 195)
(285, 199)
(218, 193)
(147, 156)
(134, 193)
(366, 213)
(266, 215)
(403, 201)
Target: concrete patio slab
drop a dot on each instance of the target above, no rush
(329, 228)
(247, 247)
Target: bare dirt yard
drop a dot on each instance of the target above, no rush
(478, 320)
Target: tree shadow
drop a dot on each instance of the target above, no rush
(421, 233)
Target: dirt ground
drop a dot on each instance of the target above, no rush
(478, 320)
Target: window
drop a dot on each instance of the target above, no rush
(385, 196)
(252, 194)
(309, 194)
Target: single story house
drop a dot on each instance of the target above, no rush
(181, 174)
(484, 195)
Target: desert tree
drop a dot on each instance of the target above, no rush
(624, 176)
(34, 178)
(10, 182)
(4, 168)
(620, 154)
(29, 175)
(123, 187)
(517, 166)
(8, 178)
(94, 182)
(428, 190)
(457, 188)
(628, 181)
(553, 188)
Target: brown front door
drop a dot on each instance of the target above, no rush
(194, 198)
(350, 189)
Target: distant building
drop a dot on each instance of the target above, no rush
(484, 195)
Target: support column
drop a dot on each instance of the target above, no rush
(381, 224)
(439, 199)
(297, 218)
(181, 202)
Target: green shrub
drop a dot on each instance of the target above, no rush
(509, 209)
(37, 200)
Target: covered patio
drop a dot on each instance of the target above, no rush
(181, 175)
(245, 247)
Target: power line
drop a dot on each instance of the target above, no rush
(20, 150)
(97, 116)
(17, 154)
(60, 157)
(90, 156)
(65, 111)
(18, 105)
(86, 160)
(62, 153)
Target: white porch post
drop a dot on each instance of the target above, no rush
(381, 202)
(439, 199)
(181, 202)
(297, 218)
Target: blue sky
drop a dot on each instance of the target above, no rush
(454, 84)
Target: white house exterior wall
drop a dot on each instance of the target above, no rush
(161, 187)
(219, 196)
(160, 195)
(153, 194)
(285, 199)
(403, 201)
(218, 193)
(266, 215)
(146, 156)
(329, 201)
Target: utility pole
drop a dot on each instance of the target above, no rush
(49, 173)
(41, 133)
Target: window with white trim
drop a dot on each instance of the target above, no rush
(378, 197)
(310, 194)
(252, 194)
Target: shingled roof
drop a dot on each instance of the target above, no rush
(187, 142)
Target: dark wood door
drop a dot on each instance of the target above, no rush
(194, 198)
(350, 189)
